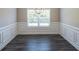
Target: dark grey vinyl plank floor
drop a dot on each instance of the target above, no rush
(39, 43)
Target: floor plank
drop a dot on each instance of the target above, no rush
(39, 43)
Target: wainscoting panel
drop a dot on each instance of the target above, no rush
(0, 38)
(24, 29)
(77, 39)
(71, 34)
(7, 33)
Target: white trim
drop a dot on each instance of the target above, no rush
(3, 28)
(70, 33)
(7, 33)
(0, 37)
(24, 29)
(75, 28)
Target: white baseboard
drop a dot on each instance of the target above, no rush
(7, 33)
(70, 33)
(24, 29)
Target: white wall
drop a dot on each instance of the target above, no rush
(24, 29)
(8, 26)
(70, 33)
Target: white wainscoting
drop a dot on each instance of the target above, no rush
(0, 38)
(7, 33)
(24, 29)
(71, 34)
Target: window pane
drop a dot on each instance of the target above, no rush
(32, 19)
(45, 18)
(38, 17)
(32, 24)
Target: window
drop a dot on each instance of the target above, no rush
(38, 17)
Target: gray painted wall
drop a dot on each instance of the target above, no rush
(22, 14)
(70, 16)
(7, 16)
